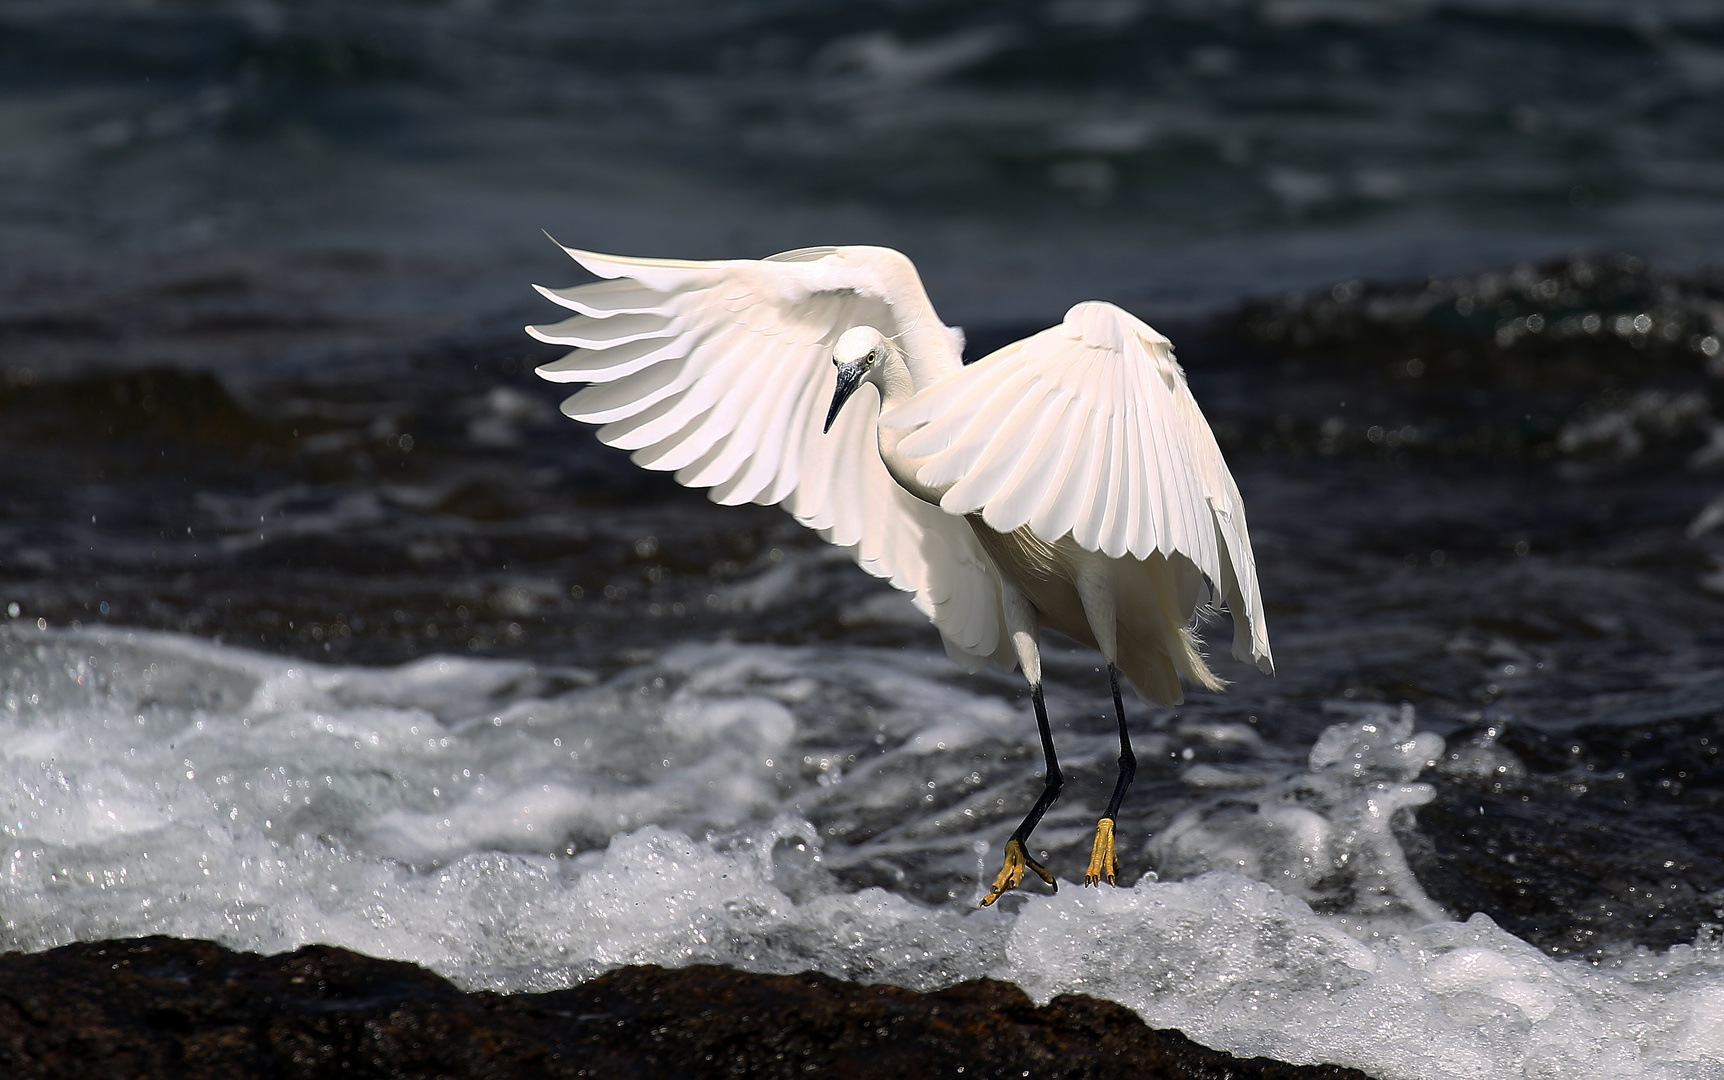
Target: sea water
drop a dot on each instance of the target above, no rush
(381, 174)
(522, 827)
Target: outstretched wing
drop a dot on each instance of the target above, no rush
(1087, 429)
(721, 372)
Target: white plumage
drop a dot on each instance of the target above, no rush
(1067, 480)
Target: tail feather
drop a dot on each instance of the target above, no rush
(1159, 646)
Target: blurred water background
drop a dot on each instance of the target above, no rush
(320, 624)
(384, 170)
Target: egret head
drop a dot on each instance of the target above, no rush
(857, 357)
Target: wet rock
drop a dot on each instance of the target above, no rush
(124, 423)
(1595, 362)
(166, 1007)
(1591, 841)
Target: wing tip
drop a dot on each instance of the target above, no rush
(1254, 651)
(552, 373)
(602, 265)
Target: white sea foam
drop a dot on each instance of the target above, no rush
(522, 828)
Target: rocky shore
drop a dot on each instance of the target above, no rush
(161, 1007)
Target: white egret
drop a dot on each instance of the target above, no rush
(1067, 480)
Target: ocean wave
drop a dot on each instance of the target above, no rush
(516, 829)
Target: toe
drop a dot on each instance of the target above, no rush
(1011, 872)
(1101, 858)
(1040, 870)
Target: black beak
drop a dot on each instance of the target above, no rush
(849, 378)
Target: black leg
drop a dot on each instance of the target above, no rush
(1017, 848)
(1127, 760)
(1102, 863)
(1054, 781)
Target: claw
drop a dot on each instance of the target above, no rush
(1101, 859)
(1012, 872)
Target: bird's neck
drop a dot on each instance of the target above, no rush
(898, 383)
(897, 380)
(927, 355)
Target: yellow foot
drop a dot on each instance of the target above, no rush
(1101, 860)
(1017, 860)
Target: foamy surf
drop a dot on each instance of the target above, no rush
(522, 828)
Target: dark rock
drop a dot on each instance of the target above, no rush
(165, 1007)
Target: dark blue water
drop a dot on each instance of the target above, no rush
(311, 179)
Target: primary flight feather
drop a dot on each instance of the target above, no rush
(1067, 480)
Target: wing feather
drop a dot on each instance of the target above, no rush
(1169, 467)
(601, 403)
(1005, 448)
(1058, 515)
(587, 332)
(1088, 530)
(772, 420)
(720, 373)
(623, 433)
(1028, 485)
(606, 298)
(966, 431)
(1088, 432)
(660, 275)
(736, 414)
(1137, 522)
(608, 365)
(804, 414)
(704, 400)
(1086, 520)
(684, 445)
(1046, 516)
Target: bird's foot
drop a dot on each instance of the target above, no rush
(1017, 860)
(1101, 860)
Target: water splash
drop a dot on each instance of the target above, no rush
(1324, 835)
(522, 828)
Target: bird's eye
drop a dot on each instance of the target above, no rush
(870, 357)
